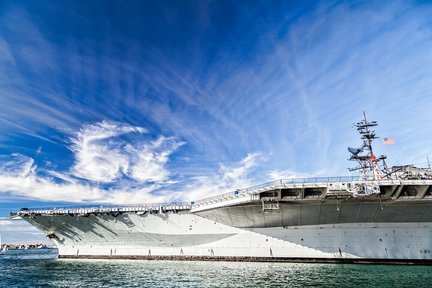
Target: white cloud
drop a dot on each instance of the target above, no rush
(150, 159)
(98, 156)
(16, 165)
(237, 175)
(228, 178)
(286, 174)
(18, 176)
(15, 226)
(20, 232)
(24, 182)
(133, 195)
(101, 156)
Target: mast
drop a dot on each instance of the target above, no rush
(368, 163)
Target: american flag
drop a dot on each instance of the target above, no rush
(388, 141)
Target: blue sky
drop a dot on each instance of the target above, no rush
(150, 101)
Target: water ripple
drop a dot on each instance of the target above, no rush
(42, 269)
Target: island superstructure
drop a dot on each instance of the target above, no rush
(382, 216)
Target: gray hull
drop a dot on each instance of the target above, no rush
(322, 226)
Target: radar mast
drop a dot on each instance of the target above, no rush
(370, 166)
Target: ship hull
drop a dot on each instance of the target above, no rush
(189, 236)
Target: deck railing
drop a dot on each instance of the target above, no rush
(277, 184)
(106, 209)
(225, 197)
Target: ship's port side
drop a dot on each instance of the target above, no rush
(270, 195)
(326, 203)
(285, 203)
(322, 221)
(386, 192)
(187, 236)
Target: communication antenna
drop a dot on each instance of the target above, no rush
(368, 163)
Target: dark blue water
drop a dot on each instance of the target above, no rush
(41, 268)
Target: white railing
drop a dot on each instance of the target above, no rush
(277, 184)
(105, 209)
(239, 193)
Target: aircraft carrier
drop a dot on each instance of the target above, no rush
(384, 215)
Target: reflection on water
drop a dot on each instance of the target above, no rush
(40, 268)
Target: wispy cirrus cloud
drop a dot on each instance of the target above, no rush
(227, 178)
(16, 165)
(150, 159)
(286, 174)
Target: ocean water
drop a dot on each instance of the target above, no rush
(41, 268)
